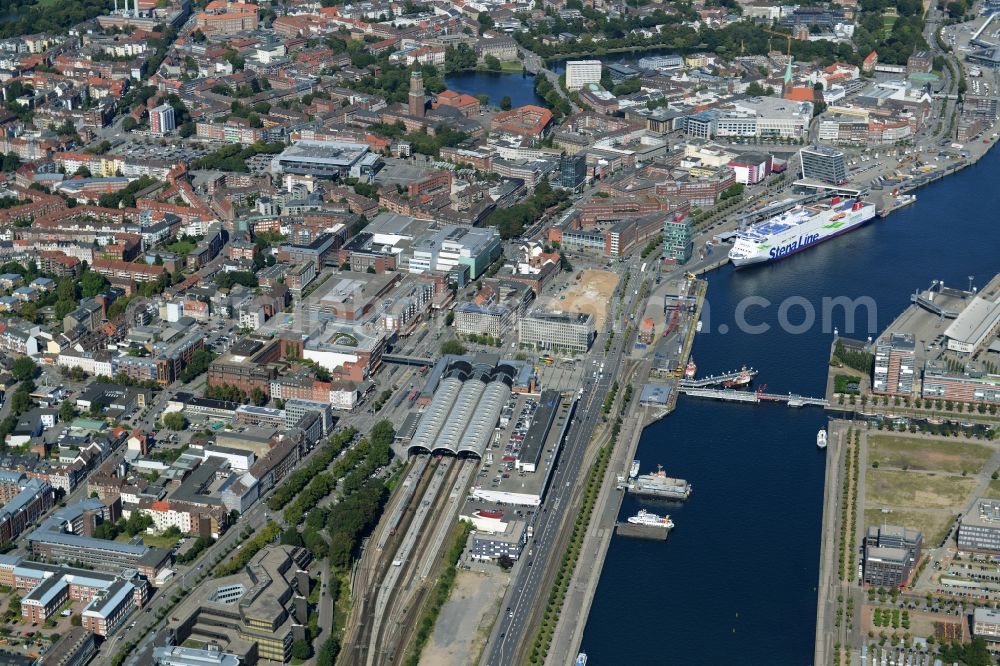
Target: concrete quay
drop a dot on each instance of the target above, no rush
(829, 581)
(568, 635)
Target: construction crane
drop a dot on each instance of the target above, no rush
(780, 34)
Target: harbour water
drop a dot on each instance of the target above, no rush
(736, 581)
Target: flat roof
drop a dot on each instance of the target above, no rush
(655, 394)
(541, 423)
(331, 152)
(521, 488)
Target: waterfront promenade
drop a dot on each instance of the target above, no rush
(568, 634)
(829, 583)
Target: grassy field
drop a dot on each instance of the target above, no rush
(927, 454)
(993, 490)
(181, 247)
(155, 540)
(887, 23)
(934, 523)
(896, 489)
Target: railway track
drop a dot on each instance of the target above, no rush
(374, 564)
(394, 582)
(396, 590)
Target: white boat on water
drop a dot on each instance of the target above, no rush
(821, 438)
(651, 519)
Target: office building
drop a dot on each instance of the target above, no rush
(661, 62)
(973, 385)
(751, 168)
(580, 73)
(573, 170)
(109, 608)
(678, 242)
(296, 408)
(250, 614)
(178, 655)
(557, 330)
(986, 624)
(824, 164)
(891, 554)
(895, 366)
(494, 310)
(161, 119)
(453, 247)
(34, 499)
(246, 365)
(979, 528)
(64, 537)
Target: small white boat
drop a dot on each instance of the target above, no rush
(821, 438)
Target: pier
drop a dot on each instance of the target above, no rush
(732, 395)
(714, 380)
(655, 532)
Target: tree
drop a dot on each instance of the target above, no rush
(174, 421)
(23, 368)
(11, 162)
(302, 649)
(291, 537)
(328, 652)
(485, 22)
(66, 411)
(76, 620)
(505, 103)
(452, 347)
(91, 284)
(129, 124)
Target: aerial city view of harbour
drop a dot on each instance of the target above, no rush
(380, 334)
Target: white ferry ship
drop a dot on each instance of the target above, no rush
(797, 229)
(651, 519)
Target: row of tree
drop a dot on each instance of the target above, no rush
(320, 460)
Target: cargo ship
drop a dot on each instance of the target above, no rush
(798, 229)
(658, 484)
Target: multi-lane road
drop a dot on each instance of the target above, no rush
(530, 583)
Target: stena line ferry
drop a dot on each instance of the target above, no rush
(798, 229)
